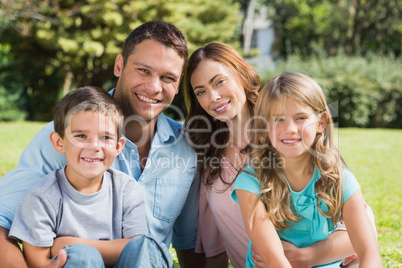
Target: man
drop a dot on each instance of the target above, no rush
(149, 72)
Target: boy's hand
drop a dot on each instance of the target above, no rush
(60, 261)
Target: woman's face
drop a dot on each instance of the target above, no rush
(218, 91)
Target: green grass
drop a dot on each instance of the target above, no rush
(373, 155)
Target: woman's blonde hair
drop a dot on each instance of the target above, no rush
(325, 156)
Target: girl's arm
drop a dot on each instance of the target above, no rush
(110, 250)
(263, 236)
(360, 231)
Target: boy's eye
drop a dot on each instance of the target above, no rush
(80, 136)
(106, 138)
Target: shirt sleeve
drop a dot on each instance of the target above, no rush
(350, 185)
(38, 159)
(247, 181)
(186, 225)
(134, 217)
(35, 220)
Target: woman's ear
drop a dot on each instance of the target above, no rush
(120, 145)
(323, 121)
(57, 142)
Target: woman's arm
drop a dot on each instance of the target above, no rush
(361, 232)
(110, 250)
(263, 236)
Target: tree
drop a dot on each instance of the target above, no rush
(63, 44)
(356, 26)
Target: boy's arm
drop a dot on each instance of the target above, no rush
(36, 256)
(360, 231)
(110, 250)
(263, 235)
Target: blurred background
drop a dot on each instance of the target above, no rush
(352, 47)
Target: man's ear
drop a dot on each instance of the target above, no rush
(120, 145)
(322, 123)
(57, 142)
(118, 65)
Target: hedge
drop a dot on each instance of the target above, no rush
(366, 90)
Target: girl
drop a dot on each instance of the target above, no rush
(296, 184)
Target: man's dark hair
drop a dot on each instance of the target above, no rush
(158, 31)
(86, 99)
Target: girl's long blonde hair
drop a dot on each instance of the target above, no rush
(325, 156)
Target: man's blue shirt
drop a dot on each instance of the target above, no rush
(169, 181)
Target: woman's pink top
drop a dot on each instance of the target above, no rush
(220, 225)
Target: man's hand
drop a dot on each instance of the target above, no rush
(60, 261)
(256, 258)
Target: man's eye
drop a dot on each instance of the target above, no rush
(171, 79)
(143, 70)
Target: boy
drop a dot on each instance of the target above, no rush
(86, 204)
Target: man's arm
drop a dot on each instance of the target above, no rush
(10, 252)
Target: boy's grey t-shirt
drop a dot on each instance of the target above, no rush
(54, 208)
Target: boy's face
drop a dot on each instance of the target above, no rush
(90, 145)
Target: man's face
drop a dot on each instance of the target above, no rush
(149, 81)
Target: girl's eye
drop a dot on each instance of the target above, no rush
(278, 119)
(302, 118)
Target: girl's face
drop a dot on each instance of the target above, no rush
(293, 127)
(218, 91)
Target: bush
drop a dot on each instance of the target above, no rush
(11, 88)
(368, 90)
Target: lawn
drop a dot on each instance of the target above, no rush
(373, 155)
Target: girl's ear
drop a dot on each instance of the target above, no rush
(120, 145)
(323, 121)
(57, 142)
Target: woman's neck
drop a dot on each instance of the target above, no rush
(239, 129)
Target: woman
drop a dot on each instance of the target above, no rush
(221, 90)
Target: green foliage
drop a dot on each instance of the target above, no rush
(10, 87)
(61, 45)
(368, 90)
(356, 26)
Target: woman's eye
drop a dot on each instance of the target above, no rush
(199, 93)
(220, 82)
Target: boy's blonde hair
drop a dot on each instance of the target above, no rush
(325, 156)
(86, 98)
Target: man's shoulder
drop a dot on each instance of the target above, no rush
(174, 125)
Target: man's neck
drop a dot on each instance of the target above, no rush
(141, 134)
